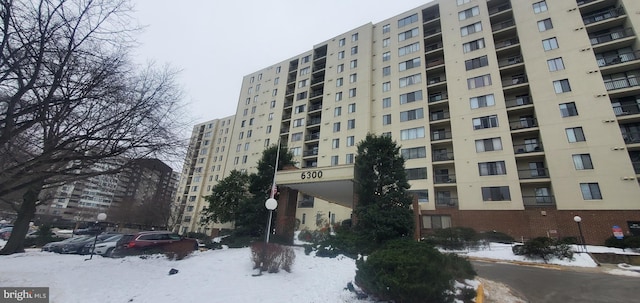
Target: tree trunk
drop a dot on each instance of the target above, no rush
(21, 225)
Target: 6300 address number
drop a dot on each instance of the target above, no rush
(316, 174)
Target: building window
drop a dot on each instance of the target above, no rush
(407, 20)
(437, 222)
(238, 147)
(386, 56)
(351, 108)
(498, 193)
(338, 96)
(470, 29)
(336, 127)
(275, 92)
(468, 13)
(349, 159)
(296, 137)
(555, 64)
(476, 63)
(561, 86)
(246, 146)
(480, 81)
(575, 134)
(590, 191)
(485, 122)
(549, 44)
(409, 64)
(296, 151)
(416, 173)
(340, 68)
(334, 160)
(582, 161)
(351, 124)
(268, 129)
(351, 141)
(386, 71)
(482, 101)
(278, 70)
(414, 153)
(299, 109)
(386, 28)
(244, 159)
(303, 83)
(473, 45)
(386, 119)
(300, 96)
(411, 48)
(412, 133)
(305, 71)
(414, 114)
(410, 80)
(354, 50)
(386, 102)
(339, 82)
(491, 144)
(353, 78)
(386, 86)
(568, 109)
(539, 7)
(411, 97)
(352, 92)
(461, 2)
(341, 42)
(408, 34)
(544, 25)
(492, 168)
(298, 122)
(386, 42)
(306, 59)
(276, 80)
(354, 37)
(337, 111)
(335, 143)
(341, 55)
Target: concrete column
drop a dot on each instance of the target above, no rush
(286, 213)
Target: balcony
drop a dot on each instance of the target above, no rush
(314, 121)
(615, 84)
(523, 123)
(626, 109)
(440, 135)
(611, 36)
(510, 61)
(310, 153)
(433, 47)
(502, 25)
(515, 80)
(432, 31)
(603, 15)
(500, 8)
(288, 104)
(631, 137)
(538, 200)
(284, 130)
(313, 136)
(518, 101)
(442, 156)
(439, 115)
(506, 43)
(437, 97)
(435, 62)
(314, 107)
(636, 167)
(533, 173)
(527, 148)
(446, 202)
(444, 179)
(617, 59)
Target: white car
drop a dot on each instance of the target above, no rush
(105, 247)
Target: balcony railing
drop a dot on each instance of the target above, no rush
(523, 123)
(315, 107)
(435, 62)
(433, 47)
(436, 116)
(533, 173)
(581, 2)
(288, 104)
(626, 109)
(510, 61)
(442, 156)
(500, 8)
(518, 101)
(312, 152)
(447, 202)
(438, 97)
(621, 83)
(436, 80)
(603, 15)
(316, 93)
(610, 36)
(286, 117)
(636, 167)
(631, 137)
(433, 31)
(538, 200)
(527, 148)
(618, 59)
(440, 135)
(284, 130)
(514, 81)
(502, 25)
(444, 179)
(314, 136)
(313, 121)
(506, 43)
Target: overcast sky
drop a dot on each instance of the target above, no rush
(215, 43)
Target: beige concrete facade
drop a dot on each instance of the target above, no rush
(498, 106)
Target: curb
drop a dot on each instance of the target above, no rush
(551, 266)
(480, 294)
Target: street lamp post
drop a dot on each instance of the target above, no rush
(577, 219)
(271, 205)
(101, 217)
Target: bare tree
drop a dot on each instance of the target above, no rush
(70, 98)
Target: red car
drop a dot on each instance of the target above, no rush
(150, 242)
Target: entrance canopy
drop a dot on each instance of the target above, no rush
(333, 183)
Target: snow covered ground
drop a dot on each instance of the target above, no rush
(211, 276)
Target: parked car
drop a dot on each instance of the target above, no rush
(105, 241)
(149, 242)
(36, 233)
(76, 246)
(5, 232)
(57, 246)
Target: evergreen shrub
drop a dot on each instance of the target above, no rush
(546, 248)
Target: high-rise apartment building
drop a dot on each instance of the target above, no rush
(512, 116)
